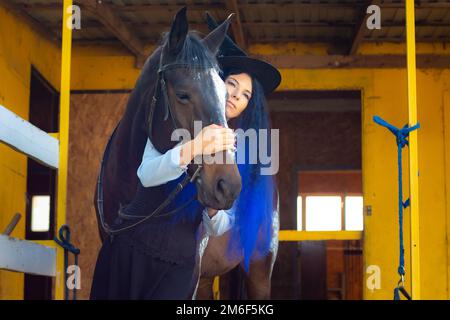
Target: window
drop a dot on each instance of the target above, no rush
(323, 213)
(40, 213)
(299, 213)
(330, 213)
(354, 213)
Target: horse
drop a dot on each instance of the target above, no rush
(213, 260)
(178, 85)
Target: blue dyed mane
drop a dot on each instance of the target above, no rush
(252, 232)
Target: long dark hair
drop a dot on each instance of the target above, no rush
(252, 232)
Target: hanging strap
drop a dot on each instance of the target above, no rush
(64, 242)
(402, 141)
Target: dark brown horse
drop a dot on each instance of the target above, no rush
(179, 84)
(192, 92)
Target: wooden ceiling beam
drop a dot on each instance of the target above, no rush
(33, 23)
(358, 32)
(236, 24)
(156, 40)
(355, 61)
(243, 6)
(162, 26)
(130, 8)
(157, 27)
(112, 21)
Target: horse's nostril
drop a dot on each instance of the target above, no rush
(222, 189)
(221, 186)
(226, 191)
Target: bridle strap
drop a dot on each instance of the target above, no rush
(171, 66)
(126, 216)
(112, 232)
(161, 85)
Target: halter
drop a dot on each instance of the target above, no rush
(161, 85)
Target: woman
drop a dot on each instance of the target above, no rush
(248, 81)
(246, 108)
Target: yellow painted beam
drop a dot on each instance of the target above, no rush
(293, 235)
(413, 149)
(54, 135)
(216, 288)
(47, 243)
(64, 139)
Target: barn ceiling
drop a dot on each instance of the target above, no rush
(338, 23)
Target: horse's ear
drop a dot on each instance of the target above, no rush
(215, 38)
(178, 32)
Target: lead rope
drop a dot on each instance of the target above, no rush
(402, 141)
(64, 242)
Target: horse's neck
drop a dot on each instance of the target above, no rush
(128, 143)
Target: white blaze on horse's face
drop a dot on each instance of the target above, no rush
(221, 97)
(220, 91)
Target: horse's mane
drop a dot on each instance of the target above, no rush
(194, 53)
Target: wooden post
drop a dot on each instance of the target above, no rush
(64, 107)
(413, 150)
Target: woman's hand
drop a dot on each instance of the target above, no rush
(211, 139)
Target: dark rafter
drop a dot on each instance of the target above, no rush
(238, 31)
(112, 21)
(33, 23)
(358, 32)
(355, 61)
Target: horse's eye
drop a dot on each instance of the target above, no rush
(183, 97)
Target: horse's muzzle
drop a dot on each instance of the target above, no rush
(220, 194)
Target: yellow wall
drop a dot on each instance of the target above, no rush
(383, 94)
(19, 49)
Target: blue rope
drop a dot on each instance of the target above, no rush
(402, 141)
(66, 244)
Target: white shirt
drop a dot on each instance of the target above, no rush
(157, 169)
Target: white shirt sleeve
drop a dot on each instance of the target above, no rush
(220, 223)
(157, 169)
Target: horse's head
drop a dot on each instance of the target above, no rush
(190, 89)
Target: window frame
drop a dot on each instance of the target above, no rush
(342, 195)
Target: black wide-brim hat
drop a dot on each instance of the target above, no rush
(231, 57)
(266, 74)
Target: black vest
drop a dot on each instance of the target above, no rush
(170, 238)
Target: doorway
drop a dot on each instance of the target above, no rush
(320, 184)
(41, 182)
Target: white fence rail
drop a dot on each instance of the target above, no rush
(28, 139)
(16, 254)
